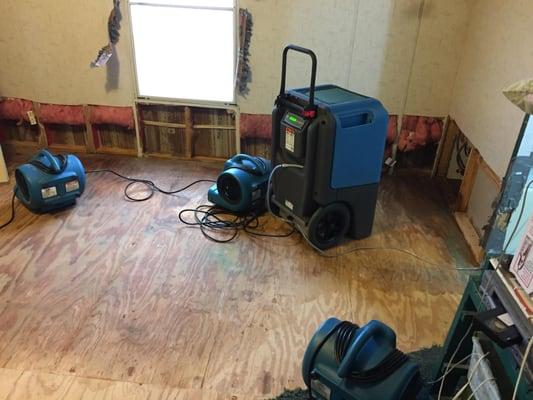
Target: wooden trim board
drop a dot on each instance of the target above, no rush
(4, 176)
(185, 158)
(445, 150)
(164, 124)
(89, 134)
(117, 151)
(222, 127)
(189, 132)
(470, 235)
(21, 143)
(43, 139)
(68, 147)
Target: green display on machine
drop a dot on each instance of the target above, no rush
(294, 120)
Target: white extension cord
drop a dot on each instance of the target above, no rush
(349, 251)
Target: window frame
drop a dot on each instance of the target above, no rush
(183, 101)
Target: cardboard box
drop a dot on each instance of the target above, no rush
(522, 264)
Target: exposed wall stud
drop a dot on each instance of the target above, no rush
(469, 178)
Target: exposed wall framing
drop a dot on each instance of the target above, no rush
(188, 132)
(114, 139)
(85, 135)
(445, 149)
(477, 171)
(66, 137)
(257, 146)
(20, 133)
(165, 130)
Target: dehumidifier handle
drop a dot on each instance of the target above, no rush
(313, 70)
(370, 330)
(54, 164)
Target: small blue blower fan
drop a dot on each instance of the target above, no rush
(49, 182)
(242, 185)
(346, 362)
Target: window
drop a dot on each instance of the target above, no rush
(185, 49)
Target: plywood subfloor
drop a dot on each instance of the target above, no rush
(114, 299)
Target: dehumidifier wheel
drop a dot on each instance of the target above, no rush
(328, 225)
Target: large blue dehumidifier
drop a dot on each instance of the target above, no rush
(48, 182)
(329, 143)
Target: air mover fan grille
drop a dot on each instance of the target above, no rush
(22, 185)
(229, 188)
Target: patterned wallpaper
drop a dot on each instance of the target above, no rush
(405, 52)
(497, 53)
(402, 51)
(47, 47)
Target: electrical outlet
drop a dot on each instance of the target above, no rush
(390, 162)
(31, 117)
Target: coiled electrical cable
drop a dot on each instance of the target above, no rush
(152, 187)
(214, 221)
(10, 220)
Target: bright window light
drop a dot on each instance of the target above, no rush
(184, 49)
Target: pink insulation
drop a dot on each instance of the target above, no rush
(122, 116)
(256, 126)
(60, 114)
(15, 109)
(418, 132)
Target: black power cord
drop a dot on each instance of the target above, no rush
(63, 162)
(461, 149)
(148, 183)
(212, 219)
(132, 181)
(12, 212)
(208, 218)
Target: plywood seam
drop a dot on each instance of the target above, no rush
(213, 347)
(88, 377)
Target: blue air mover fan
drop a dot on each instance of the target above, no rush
(242, 186)
(346, 362)
(48, 182)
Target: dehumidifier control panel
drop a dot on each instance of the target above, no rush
(294, 120)
(293, 134)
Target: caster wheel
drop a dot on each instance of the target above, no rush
(328, 225)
